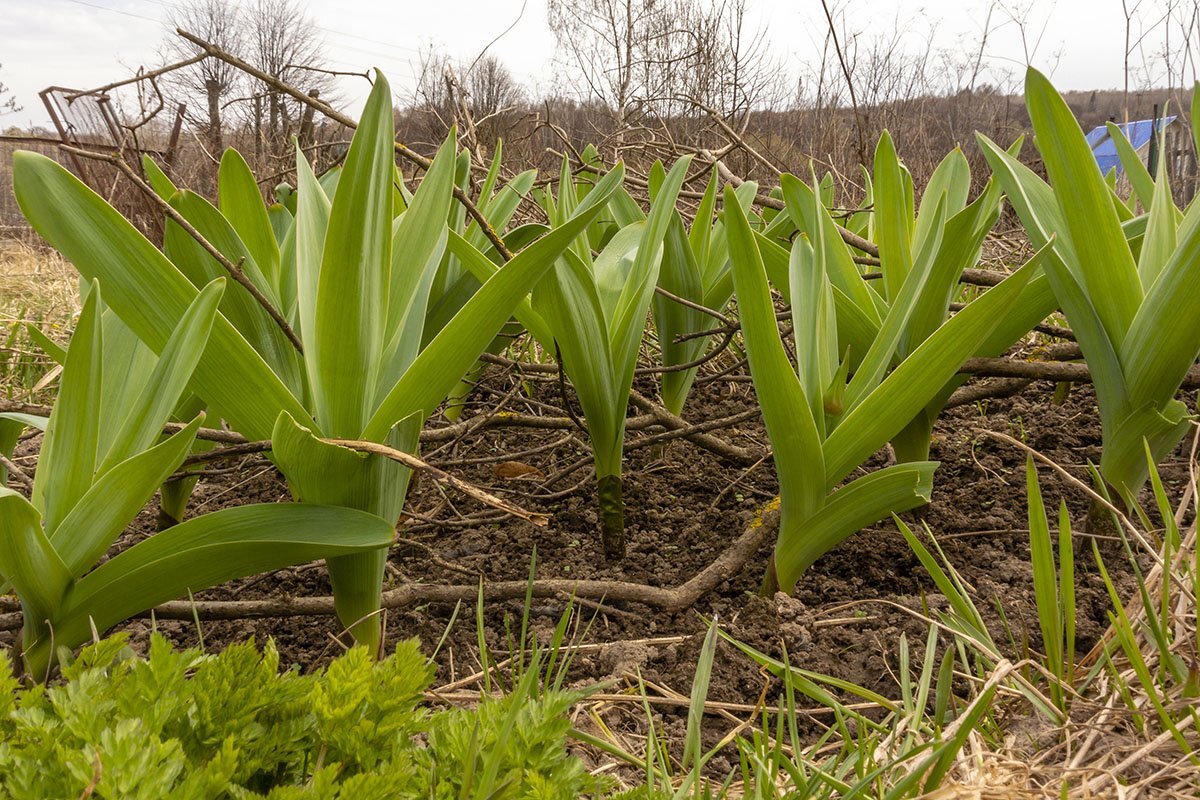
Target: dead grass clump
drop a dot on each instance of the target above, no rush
(36, 285)
(39, 287)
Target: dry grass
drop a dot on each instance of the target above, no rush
(36, 283)
(38, 287)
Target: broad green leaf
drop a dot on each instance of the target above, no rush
(147, 291)
(208, 550)
(242, 204)
(611, 268)
(863, 502)
(321, 473)
(702, 223)
(1158, 426)
(158, 180)
(312, 221)
(1101, 353)
(417, 248)
(165, 386)
(959, 247)
(11, 426)
(813, 217)
(499, 210)
(1105, 266)
(456, 348)
(679, 274)
(28, 561)
(483, 268)
(1162, 343)
(792, 430)
(57, 353)
(814, 323)
(627, 320)
(950, 184)
(70, 451)
(568, 301)
(1160, 238)
(917, 379)
(116, 497)
(1030, 197)
(893, 219)
(1135, 169)
(352, 291)
(125, 355)
(238, 305)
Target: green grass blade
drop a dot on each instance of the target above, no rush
(1045, 579)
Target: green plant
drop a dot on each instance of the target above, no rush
(923, 251)
(822, 427)
(362, 262)
(591, 310)
(695, 267)
(595, 309)
(233, 725)
(100, 462)
(452, 283)
(1121, 290)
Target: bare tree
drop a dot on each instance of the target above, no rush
(211, 81)
(481, 98)
(664, 58)
(491, 88)
(285, 43)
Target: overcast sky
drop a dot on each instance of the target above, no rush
(84, 43)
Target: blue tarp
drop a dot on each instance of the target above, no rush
(1138, 134)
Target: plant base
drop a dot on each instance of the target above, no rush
(612, 516)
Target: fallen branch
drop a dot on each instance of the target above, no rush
(681, 428)
(1048, 371)
(676, 599)
(442, 477)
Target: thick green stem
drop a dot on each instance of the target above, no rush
(770, 581)
(320, 472)
(357, 585)
(912, 443)
(612, 515)
(37, 656)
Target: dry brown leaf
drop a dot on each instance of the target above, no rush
(512, 470)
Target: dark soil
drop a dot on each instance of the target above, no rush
(684, 507)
